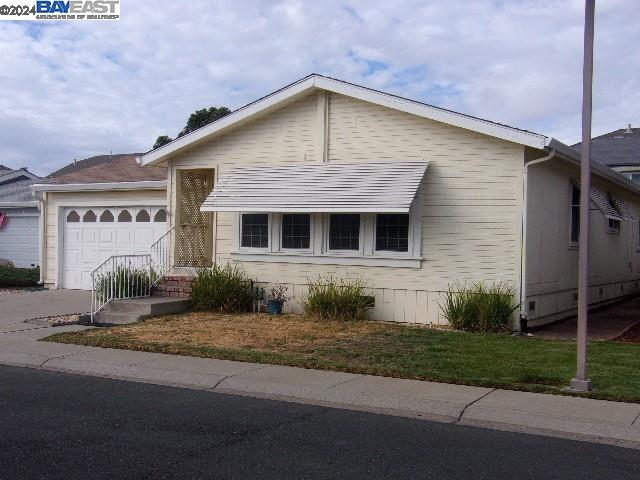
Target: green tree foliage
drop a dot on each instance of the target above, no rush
(197, 119)
(162, 140)
(203, 117)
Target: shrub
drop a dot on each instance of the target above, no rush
(19, 277)
(223, 289)
(336, 299)
(123, 282)
(479, 307)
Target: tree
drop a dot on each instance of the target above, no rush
(162, 140)
(203, 117)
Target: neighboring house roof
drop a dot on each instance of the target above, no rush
(620, 148)
(106, 169)
(15, 187)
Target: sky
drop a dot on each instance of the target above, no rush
(76, 89)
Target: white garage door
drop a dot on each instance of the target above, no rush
(91, 235)
(19, 237)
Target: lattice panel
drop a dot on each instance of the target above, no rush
(193, 245)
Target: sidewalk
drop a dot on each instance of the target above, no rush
(568, 417)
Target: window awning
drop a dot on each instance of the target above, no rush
(601, 200)
(622, 206)
(385, 187)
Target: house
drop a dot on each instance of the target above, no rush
(619, 150)
(18, 217)
(327, 177)
(95, 208)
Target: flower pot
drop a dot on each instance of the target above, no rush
(274, 307)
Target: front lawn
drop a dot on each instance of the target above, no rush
(379, 348)
(19, 277)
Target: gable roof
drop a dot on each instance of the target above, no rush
(106, 169)
(15, 187)
(620, 148)
(314, 82)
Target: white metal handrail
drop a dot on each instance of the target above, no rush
(160, 257)
(120, 277)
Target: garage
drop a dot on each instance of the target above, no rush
(93, 234)
(19, 236)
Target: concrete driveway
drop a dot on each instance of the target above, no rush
(15, 308)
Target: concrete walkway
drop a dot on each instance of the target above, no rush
(606, 324)
(15, 308)
(567, 417)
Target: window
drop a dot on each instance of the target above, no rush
(160, 216)
(89, 217)
(143, 216)
(73, 217)
(614, 225)
(124, 216)
(575, 214)
(344, 231)
(392, 232)
(106, 216)
(255, 230)
(296, 231)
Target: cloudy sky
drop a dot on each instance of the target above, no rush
(72, 90)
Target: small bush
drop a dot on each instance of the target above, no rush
(479, 307)
(19, 277)
(223, 289)
(124, 282)
(337, 299)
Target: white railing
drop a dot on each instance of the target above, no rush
(160, 257)
(120, 277)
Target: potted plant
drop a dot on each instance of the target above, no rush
(277, 299)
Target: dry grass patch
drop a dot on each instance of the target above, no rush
(281, 333)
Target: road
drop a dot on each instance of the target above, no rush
(56, 425)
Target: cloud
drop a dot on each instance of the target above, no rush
(72, 90)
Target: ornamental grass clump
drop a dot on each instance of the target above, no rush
(337, 299)
(479, 307)
(225, 289)
(123, 282)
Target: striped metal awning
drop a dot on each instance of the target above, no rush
(604, 203)
(383, 187)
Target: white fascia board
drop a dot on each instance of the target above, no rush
(567, 153)
(307, 84)
(87, 187)
(25, 204)
(467, 122)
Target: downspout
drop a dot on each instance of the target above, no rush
(522, 325)
(42, 235)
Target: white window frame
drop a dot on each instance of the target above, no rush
(238, 230)
(277, 234)
(326, 231)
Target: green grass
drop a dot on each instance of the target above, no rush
(19, 277)
(489, 360)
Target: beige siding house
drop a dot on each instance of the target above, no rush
(326, 177)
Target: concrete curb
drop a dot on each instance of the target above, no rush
(574, 418)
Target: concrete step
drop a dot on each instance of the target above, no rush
(122, 312)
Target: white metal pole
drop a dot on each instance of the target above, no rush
(581, 382)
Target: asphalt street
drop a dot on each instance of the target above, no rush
(56, 425)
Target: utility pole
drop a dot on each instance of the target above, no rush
(581, 382)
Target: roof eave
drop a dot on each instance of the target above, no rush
(312, 82)
(567, 153)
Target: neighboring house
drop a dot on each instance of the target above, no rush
(98, 207)
(19, 217)
(324, 176)
(619, 150)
